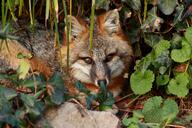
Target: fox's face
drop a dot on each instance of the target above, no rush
(110, 53)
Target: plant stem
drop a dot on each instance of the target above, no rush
(20, 7)
(92, 25)
(2, 13)
(33, 14)
(70, 13)
(31, 17)
(67, 30)
(145, 10)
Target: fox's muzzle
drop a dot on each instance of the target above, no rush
(100, 72)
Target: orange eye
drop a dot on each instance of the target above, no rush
(88, 60)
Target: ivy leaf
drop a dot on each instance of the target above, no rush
(37, 109)
(167, 6)
(162, 80)
(176, 41)
(170, 110)
(28, 100)
(152, 111)
(152, 39)
(131, 122)
(144, 63)
(156, 110)
(24, 67)
(141, 82)
(58, 84)
(178, 86)
(183, 54)
(162, 46)
(162, 62)
(188, 35)
(8, 93)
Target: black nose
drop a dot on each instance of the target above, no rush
(100, 82)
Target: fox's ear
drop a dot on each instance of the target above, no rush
(76, 27)
(111, 21)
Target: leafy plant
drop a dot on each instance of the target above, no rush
(159, 62)
(104, 97)
(29, 106)
(156, 114)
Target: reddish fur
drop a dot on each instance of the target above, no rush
(116, 83)
(39, 65)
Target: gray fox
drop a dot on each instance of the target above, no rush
(107, 62)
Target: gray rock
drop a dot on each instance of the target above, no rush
(70, 115)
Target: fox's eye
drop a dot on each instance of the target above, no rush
(88, 60)
(109, 57)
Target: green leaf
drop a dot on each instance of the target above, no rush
(183, 54)
(152, 103)
(37, 109)
(178, 14)
(167, 6)
(23, 56)
(152, 39)
(151, 21)
(190, 76)
(188, 35)
(141, 82)
(102, 4)
(156, 110)
(57, 97)
(163, 61)
(178, 85)
(162, 80)
(138, 114)
(3, 76)
(134, 4)
(170, 110)
(89, 99)
(152, 111)
(6, 111)
(58, 84)
(5, 105)
(162, 46)
(104, 107)
(131, 122)
(8, 93)
(24, 67)
(81, 87)
(28, 100)
(106, 100)
(29, 83)
(144, 63)
(176, 41)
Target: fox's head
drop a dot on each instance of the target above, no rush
(110, 54)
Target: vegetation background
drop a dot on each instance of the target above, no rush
(161, 35)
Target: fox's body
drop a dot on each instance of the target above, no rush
(106, 62)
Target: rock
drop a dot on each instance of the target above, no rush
(70, 115)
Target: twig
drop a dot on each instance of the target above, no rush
(175, 126)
